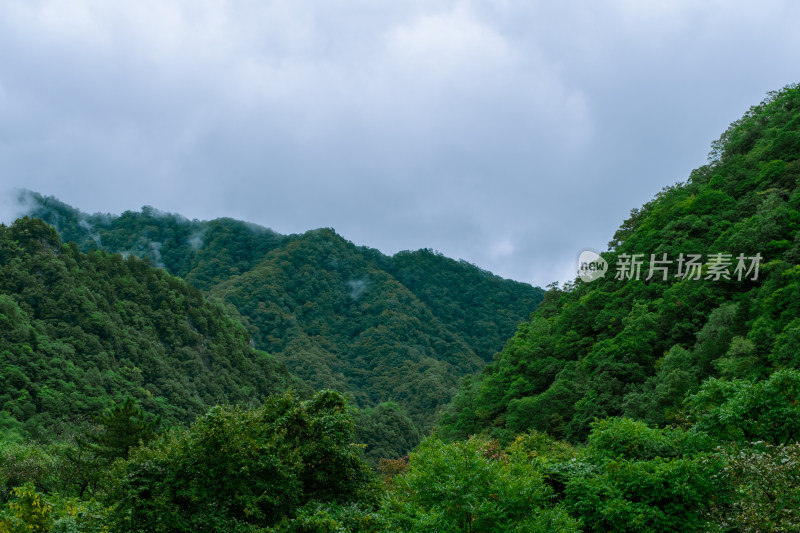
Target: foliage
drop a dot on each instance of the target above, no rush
(386, 431)
(203, 253)
(316, 517)
(472, 486)
(82, 331)
(32, 511)
(537, 445)
(342, 323)
(619, 405)
(766, 482)
(482, 308)
(120, 428)
(744, 411)
(241, 469)
(399, 329)
(60, 467)
(634, 478)
(635, 347)
(29, 511)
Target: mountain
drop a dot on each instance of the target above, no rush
(401, 329)
(81, 331)
(672, 360)
(342, 323)
(635, 345)
(203, 253)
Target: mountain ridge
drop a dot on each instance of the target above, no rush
(80, 330)
(402, 328)
(632, 346)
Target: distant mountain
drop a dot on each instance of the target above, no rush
(203, 253)
(635, 341)
(400, 329)
(79, 331)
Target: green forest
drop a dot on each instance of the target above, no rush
(394, 334)
(163, 374)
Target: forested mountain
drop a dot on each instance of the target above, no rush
(401, 329)
(342, 323)
(203, 253)
(81, 331)
(475, 304)
(634, 342)
(675, 375)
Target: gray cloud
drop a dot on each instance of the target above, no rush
(510, 134)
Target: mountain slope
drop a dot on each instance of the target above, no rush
(397, 329)
(626, 346)
(81, 330)
(343, 323)
(203, 253)
(482, 308)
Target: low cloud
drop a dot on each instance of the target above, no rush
(358, 287)
(509, 134)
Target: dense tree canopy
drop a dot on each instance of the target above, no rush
(242, 470)
(399, 329)
(663, 403)
(628, 345)
(80, 331)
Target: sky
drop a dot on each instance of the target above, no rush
(511, 134)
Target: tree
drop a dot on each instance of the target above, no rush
(241, 469)
(744, 411)
(634, 478)
(472, 486)
(120, 428)
(765, 480)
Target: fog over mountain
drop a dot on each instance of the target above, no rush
(510, 134)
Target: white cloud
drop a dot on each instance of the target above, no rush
(508, 133)
(436, 48)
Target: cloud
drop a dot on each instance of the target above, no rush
(358, 287)
(90, 230)
(511, 134)
(155, 248)
(195, 240)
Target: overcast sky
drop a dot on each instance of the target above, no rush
(510, 134)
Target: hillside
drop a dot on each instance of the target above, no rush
(203, 253)
(399, 329)
(676, 380)
(342, 323)
(628, 345)
(80, 331)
